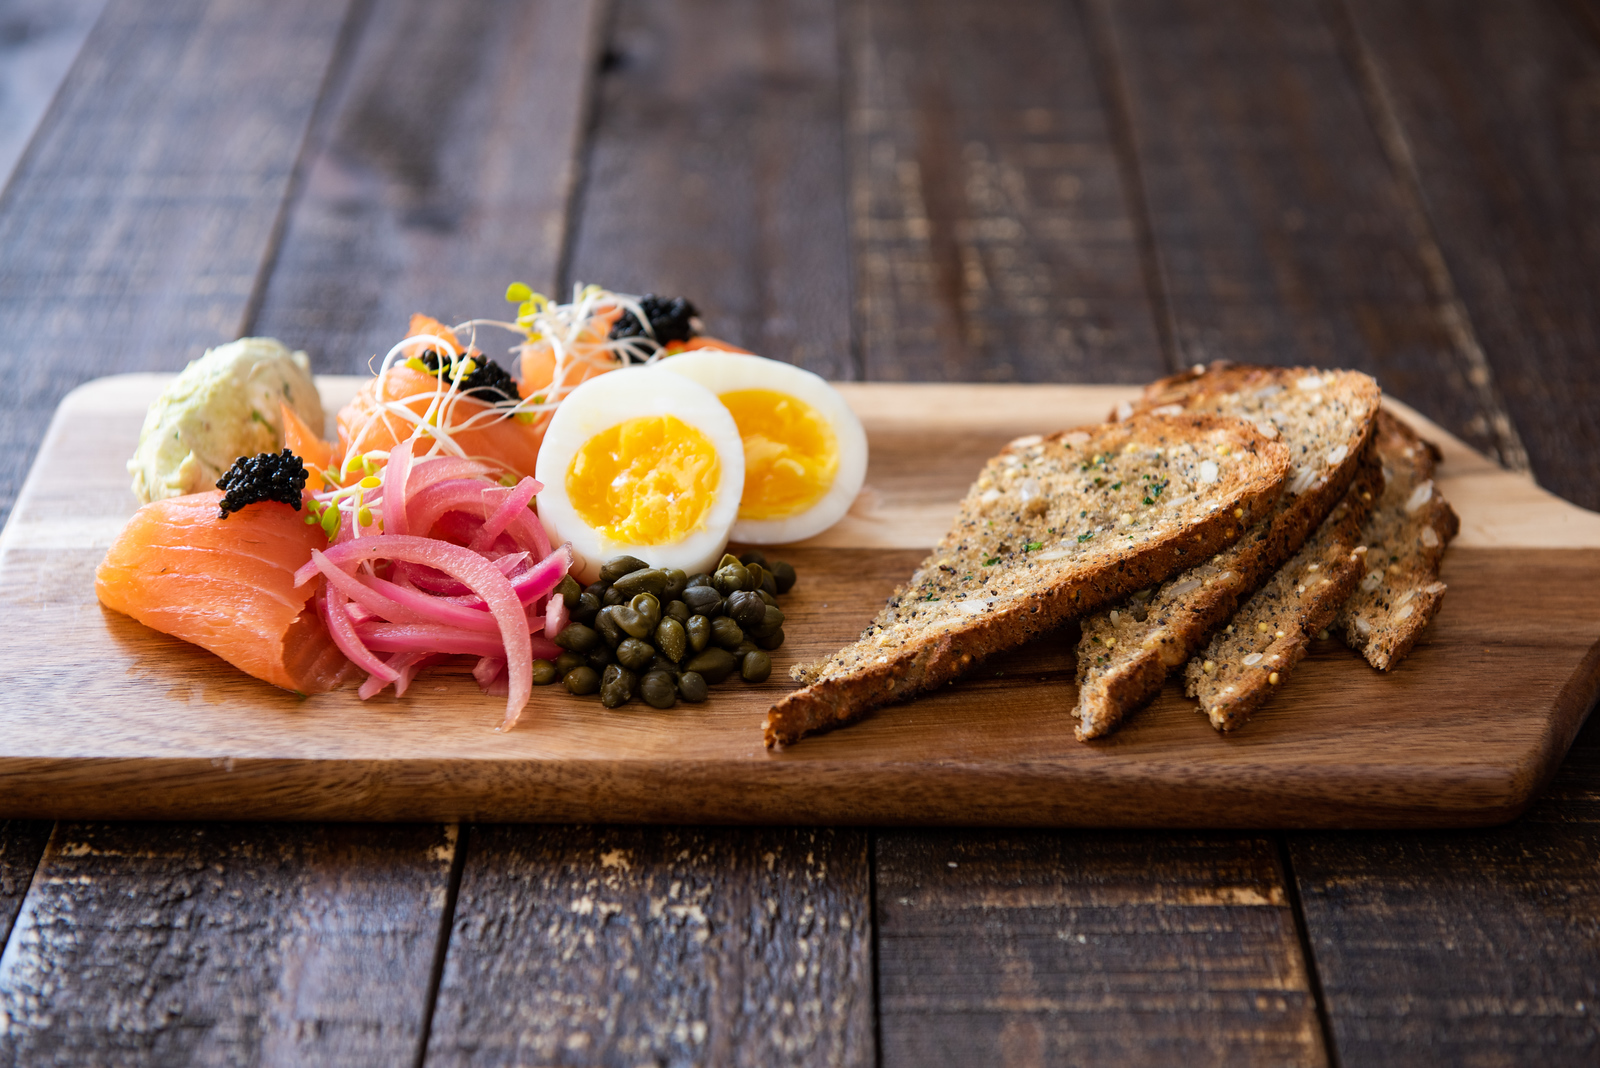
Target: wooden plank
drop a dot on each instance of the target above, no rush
(1520, 577)
(22, 843)
(41, 39)
(443, 173)
(137, 223)
(1283, 233)
(1089, 949)
(993, 238)
(583, 945)
(1496, 103)
(221, 944)
(716, 171)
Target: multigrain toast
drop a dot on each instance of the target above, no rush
(1326, 418)
(1405, 537)
(1251, 658)
(1053, 528)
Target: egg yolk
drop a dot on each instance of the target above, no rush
(646, 481)
(790, 453)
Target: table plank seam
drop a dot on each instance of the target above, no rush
(1308, 955)
(1115, 101)
(598, 48)
(340, 64)
(1453, 313)
(33, 875)
(441, 946)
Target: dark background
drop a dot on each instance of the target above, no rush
(997, 190)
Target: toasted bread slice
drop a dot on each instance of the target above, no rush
(1405, 537)
(1326, 418)
(1251, 658)
(1053, 528)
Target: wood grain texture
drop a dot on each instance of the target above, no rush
(138, 223)
(225, 944)
(1499, 105)
(444, 172)
(1283, 234)
(1520, 631)
(991, 233)
(39, 39)
(716, 171)
(22, 843)
(625, 946)
(1077, 948)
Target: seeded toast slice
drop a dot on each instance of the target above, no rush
(1326, 418)
(1406, 536)
(1053, 528)
(1251, 658)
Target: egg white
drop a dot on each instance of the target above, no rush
(615, 397)
(725, 372)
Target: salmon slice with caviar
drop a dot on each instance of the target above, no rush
(227, 585)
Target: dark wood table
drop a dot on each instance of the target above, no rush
(1020, 190)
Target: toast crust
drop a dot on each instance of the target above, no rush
(1406, 536)
(1250, 661)
(1125, 655)
(1052, 529)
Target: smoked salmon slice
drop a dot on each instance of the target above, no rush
(227, 585)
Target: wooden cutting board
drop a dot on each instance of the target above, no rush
(103, 718)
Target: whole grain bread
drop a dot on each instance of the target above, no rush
(1326, 418)
(1052, 528)
(1406, 536)
(1251, 659)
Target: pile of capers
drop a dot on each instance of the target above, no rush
(660, 634)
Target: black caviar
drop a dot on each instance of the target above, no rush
(269, 476)
(488, 380)
(669, 320)
(662, 636)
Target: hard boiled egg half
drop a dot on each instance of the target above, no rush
(805, 454)
(643, 462)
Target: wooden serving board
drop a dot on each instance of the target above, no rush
(103, 718)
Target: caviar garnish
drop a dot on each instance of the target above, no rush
(669, 320)
(270, 476)
(487, 380)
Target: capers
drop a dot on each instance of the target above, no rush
(581, 680)
(746, 609)
(618, 566)
(649, 580)
(725, 632)
(671, 638)
(713, 665)
(657, 690)
(587, 607)
(755, 667)
(698, 628)
(731, 577)
(771, 620)
(677, 582)
(648, 607)
(605, 623)
(617, 685)
(660, 634)
(634, 654)
(692, 686)
(577, 637)
(631, 622)
(703, 599)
